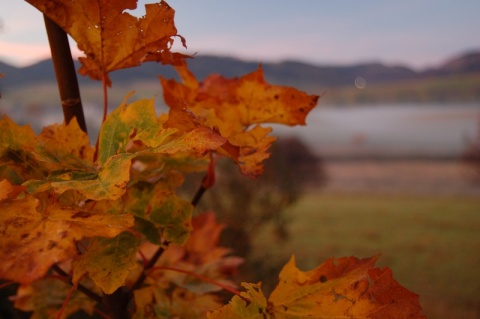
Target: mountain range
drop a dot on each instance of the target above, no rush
(295, 73)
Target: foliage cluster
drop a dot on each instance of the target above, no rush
(102, 229)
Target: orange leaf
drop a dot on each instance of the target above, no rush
(112, 38)
(233, 106)
(347, 287)
(7, 190)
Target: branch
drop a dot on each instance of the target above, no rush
(65, 72)
(80, 287)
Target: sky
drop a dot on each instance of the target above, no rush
(418, 34)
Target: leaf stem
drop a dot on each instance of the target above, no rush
(105, 97)
(80, 287)
(207, 182)
(151, 263)
(65, 73)
(65, 302)
(198, 195)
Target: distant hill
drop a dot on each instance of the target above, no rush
(283, 72)
(309, 77)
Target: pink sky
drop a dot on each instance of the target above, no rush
(413, 33)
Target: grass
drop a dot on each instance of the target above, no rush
(431, 243)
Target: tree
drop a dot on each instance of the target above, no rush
(102, 229)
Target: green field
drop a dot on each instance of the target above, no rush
(431, 243)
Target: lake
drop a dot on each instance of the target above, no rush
(406, 130)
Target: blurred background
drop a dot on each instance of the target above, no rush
(388, 163)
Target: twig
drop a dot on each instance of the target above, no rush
(80, 287)
(149, 265)
(65, 72)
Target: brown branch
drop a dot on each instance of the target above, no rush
(65, 72)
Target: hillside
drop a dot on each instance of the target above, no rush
(458, 75)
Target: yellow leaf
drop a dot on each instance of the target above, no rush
(60, 143)
(33, 239)
(15, 137)
(249, 305)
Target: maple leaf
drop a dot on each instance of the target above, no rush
(108, 261)
(45, 297)
(159, 213)
(14, 137)
(250, 304)
(348, 287)
(233, 106)
(110, 37)
(343, 288)
(200, 255)
(151, 302)
(35, 238)
(66, 146)
(7, 190)
(109, 183)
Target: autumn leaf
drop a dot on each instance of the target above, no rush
(110, 37)
(160, 213)
(14, 137)
(251, 304)
(67, 146)
(44, 298)
(236, 108)
(108, 261)
(109, 183)
(7, 190)
(134, 128)
(127, 123)
(339, 288)
(152, 302)
(347, 287)
(35, 238)
(200, 255)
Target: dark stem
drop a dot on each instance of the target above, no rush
(198, 195)
(80, 287)
(151, 263)
(65, 73)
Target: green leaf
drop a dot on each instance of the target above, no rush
(135, 121)
(110, 184)
(249, 305)
(108, 261)
(159, 207)
(175, 215)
